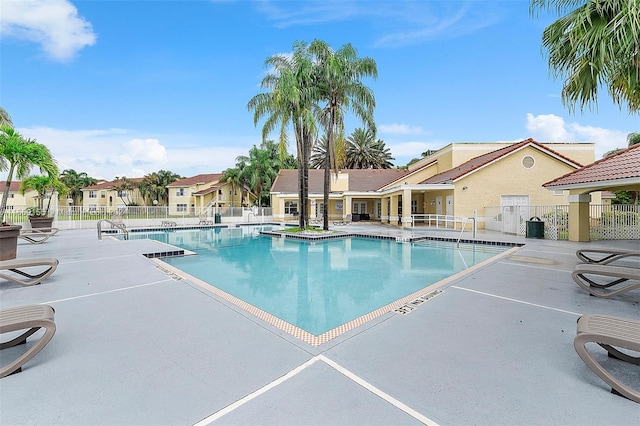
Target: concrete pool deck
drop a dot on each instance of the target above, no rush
(137, 346)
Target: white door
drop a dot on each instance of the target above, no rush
(439, 204)
(449, 206)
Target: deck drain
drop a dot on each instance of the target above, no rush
(405, 309)
(170, 273)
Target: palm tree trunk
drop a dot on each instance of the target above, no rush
(5, 197)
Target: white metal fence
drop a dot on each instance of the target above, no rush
(77, 217)
(607, 222)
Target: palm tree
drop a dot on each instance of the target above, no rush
(289, 102)
(19, 155)
(338, 76)
(5, 118)
(43, 185)
(75, 181)
(364, 151)
(153, 186)
(596, 42)
(124, 185)
(233, 176)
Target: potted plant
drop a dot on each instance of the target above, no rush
(45, 186)
(18, 155)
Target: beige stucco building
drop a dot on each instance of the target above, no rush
(457, 180)
(103, 197)
(194, 194)
(17, 200)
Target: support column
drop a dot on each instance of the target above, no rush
(406, 207)
(579, 226)
(346, 206)
(393, 211)
(384, 209)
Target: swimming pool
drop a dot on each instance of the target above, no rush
(317, 285)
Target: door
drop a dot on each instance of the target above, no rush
(439, 204)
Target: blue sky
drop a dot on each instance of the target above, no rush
(126, 88)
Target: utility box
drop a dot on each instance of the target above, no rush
(217, 218)
(535, 228)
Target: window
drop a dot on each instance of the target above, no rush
(414, 206)
(122, 193)
(290, 207)
(359, 208)
(339, 205)
(180, 192)
(320, 210)
(93, 194)
(11, 195)
(181, 207)
(93, 207)
(528, 162)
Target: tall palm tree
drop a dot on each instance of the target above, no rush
(75, 181)
(5, 118)
(596, 42)
(289, 102)
(338, 75)
(18, 156)
(364, 151)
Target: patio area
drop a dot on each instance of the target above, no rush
(136, 345)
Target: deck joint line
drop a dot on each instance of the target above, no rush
(516, 300)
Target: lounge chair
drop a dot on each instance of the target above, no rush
(204, 220)
(605, 255)
(345, 221)
(608, 331)
(15, 266)
(168, 224)
(33, 318)
(37, 236)
(621, 277)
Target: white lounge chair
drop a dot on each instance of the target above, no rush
(610, 333)
(33, 318)
(12, 270)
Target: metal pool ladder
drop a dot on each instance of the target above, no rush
(119, 226)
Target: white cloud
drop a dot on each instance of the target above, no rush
(551, 128)
(107, 153)
(54, 24)
(400, 129)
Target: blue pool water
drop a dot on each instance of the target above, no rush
(319, 285)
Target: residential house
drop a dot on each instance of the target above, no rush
(103, 197)
(205, 191)
(18, 201)
(457, 180)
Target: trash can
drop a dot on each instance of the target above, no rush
(535, 228)
(217, 218)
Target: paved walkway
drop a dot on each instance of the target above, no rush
(138, 346)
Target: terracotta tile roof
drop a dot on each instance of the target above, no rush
(363, 180)
(209, 190)
(360, 180)
(203, 178)
(108, 184)
(482, 160)
(622, 165)
(13, 187)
